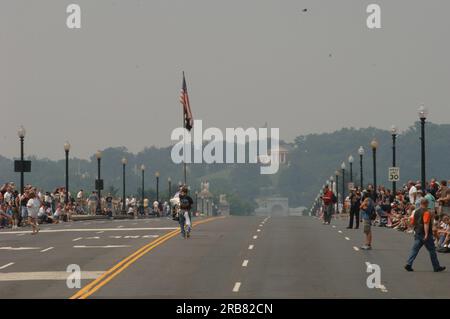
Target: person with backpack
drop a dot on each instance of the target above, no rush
(329, 200)
(367, 212)
(184, 215)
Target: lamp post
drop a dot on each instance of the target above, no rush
(374, 146)
(169, 181)
(361, 154)
(337, 188)
(99, 185)
(394, 138)
(124, 164)
(423, 116)
(142, 189)
(343, 181)
(350, 161)
(66, 150)
(196, 201)
(21, 133)
(331, 183)
(203, 203)
(157, 186)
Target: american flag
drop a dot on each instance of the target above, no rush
(184, 99)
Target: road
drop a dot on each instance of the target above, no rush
(230, 257)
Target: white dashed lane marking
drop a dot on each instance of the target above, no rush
(236, 287)
(77, 239)
(245, 263)
(355, 248)
(251, 247)
(346, 238)
(7, 265)
(255, 237)
(46, 249)
(107, 246)
(340, 231)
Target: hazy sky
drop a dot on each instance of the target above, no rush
(116, 81)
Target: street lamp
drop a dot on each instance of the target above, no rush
(423, 116)
(350, 161)
(124, 164)
(394, 138)
(142, 190)
(99, 183)
(203, 203)
(361, 154)
(157, 186)
(196, 201)
(374, 145)
(343, 181)
(21, 133)
(66, 150)
(331, 183)
(337, 187)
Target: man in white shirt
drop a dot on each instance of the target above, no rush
(33, 206)
(412, 192)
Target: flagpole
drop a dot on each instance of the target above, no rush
(184, 155)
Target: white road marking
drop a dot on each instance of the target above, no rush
(94, 237)
(150, 236)
(355, 248)
(236, 287)
(333, 226)
(131, 236)
(340, 231)
(89, 230)
(47, 249)
(77, 239)
(46, 275)
(7, 265)
(115, 237)
(100, 232)
(346, 238)
(258, 230)
(107, 246)
(251, 247)
(245, 263)
(19, 248)
(255, 237)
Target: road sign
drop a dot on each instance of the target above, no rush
(394, 174)
(99, 184)
(22, 166)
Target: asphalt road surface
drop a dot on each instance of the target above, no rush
(230, 257)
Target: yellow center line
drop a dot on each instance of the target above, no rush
(111, 273)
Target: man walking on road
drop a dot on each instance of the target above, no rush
(185, 212)
(421, 219)
(328, 205)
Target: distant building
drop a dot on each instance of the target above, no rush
(282, 152)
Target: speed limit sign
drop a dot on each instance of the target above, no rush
(394, 174)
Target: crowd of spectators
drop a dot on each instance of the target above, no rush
(394, 210)
(17, 210)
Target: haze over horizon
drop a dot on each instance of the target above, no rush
(116, 81)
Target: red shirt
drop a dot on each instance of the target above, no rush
(328, 198)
